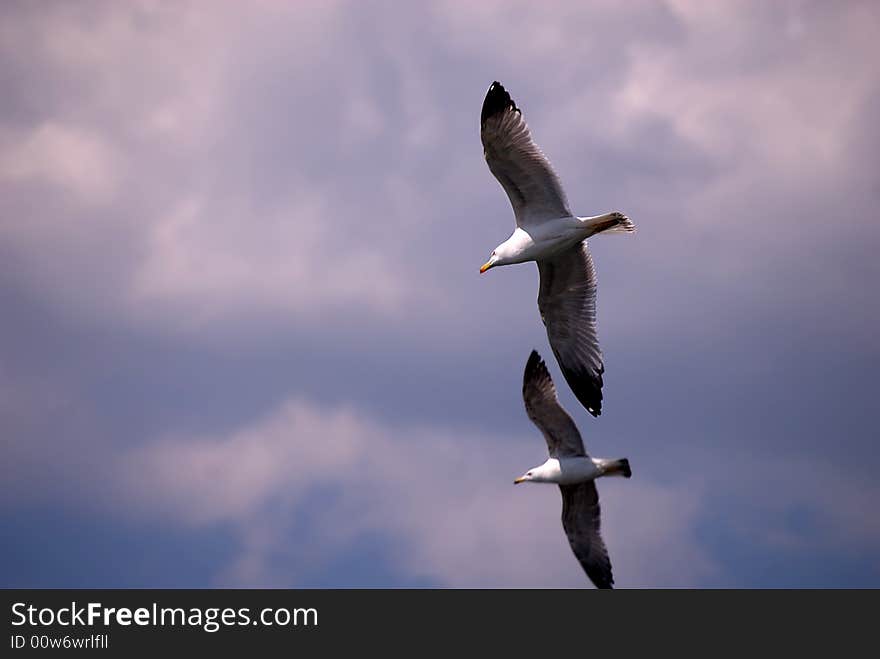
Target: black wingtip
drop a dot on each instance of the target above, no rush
(536, 374)
(587, 388)
(535, 368)
(497, 100)
(534, 359)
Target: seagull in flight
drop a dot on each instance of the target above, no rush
(547, 232)
(572, 469)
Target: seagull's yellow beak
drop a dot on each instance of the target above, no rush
(485, 266)
(519, 480)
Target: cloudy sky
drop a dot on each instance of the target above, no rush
(244, 341)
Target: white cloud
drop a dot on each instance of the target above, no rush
(444, 499)
(76, 160)
(205, 220)
(760, 90)
(207, 261)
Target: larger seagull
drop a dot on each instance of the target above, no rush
(547, 232)
(572, 469)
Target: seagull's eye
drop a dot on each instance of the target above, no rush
(529, 474)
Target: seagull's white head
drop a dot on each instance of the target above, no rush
(544, 473)
(501, 255)
(491, 263)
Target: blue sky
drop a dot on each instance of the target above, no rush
(244, 337)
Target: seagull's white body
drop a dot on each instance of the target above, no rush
(569, 470)
(546, 240)
(564, 471)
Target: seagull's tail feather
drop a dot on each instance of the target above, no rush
(609, 223)
(618, 468)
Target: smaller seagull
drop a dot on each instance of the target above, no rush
(572, 469)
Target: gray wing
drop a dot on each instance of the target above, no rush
(516, 161)
(543, 408)
(580, 519)
(567, 302)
